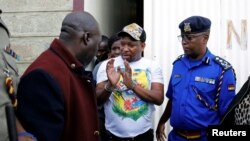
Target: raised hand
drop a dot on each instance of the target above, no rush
(112, 74)
(127, 75)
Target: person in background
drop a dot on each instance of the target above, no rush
(114, 50)
(238, 112)
(102, 54)
(115, 46)
(201, 86)
(103, 50)
(9, 78)
(129, 86)
(56, 94)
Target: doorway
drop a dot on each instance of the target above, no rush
(113, 15)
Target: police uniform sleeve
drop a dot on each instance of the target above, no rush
(40, 106)
(169, 92)
(228, 85)
(227, 92)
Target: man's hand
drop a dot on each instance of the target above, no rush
(112, 74)
(160, 132)
(127, 76)
(26, 138)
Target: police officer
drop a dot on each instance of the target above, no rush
(201, 86)
(9, 79)
(8, 70)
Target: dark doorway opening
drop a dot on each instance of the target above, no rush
(122, 13)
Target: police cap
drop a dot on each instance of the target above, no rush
(195, 24)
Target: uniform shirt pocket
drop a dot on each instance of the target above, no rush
(205, 84)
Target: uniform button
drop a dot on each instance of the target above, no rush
(96, 133)
(89, 81)
(73, 66)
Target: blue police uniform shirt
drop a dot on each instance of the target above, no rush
(202, 76)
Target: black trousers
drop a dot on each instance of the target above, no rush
(147, 136)
(102, 129)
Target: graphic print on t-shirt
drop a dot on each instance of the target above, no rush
(126, 103)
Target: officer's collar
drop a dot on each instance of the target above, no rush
(207, 58)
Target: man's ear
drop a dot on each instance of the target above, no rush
(85, 38)
(143, 44)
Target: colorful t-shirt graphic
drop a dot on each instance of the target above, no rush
(126, 103)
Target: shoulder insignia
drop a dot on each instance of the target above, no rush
(222, 62)
(10, 62)
(12, 53)
(178, 58)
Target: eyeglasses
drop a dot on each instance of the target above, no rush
(188, 37)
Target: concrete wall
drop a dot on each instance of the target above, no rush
(33, 24)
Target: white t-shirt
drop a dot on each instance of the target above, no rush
(126, 115)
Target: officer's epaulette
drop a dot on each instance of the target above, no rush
(12, 53)
(178, 58)
(222, 62)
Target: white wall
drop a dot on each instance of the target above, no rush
(161, 20)
(98, 9)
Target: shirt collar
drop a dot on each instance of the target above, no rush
(205, 60)
(59, 48)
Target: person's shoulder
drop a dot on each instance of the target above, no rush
(149, 61)
(98, 64)
(178, 58)
(102, 65)
(10, 61)
(118, 61)
(222, 63)
(143, 59)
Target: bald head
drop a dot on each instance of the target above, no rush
(75, 23)
(81, 35)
